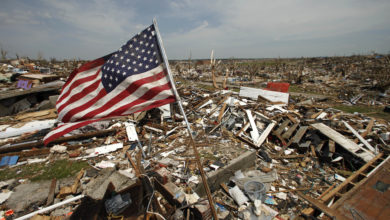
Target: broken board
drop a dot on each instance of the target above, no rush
(272, 96)
(344, 142)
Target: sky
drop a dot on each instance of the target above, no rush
(90, 29)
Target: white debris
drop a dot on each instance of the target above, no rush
(131, 132)
(238, 195)
(4, 196)
(105, 164)
(28, 127)
(103, 149)
(58, 149)
(128, 172)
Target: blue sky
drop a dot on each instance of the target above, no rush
(233, 28)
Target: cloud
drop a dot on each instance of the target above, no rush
(102, 17)
(251, 28)
(252, 25)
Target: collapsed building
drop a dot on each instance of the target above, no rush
(267, 154)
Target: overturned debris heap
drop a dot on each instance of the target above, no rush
(263, 160)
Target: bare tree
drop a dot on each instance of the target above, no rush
(232, 65)
(3, 54)
(253, 69)
(189, 61)
(213, 65)
(39, 55)
(225, 79)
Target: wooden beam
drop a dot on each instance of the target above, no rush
(332, 193)
(325, 209)
(315, 115)
(332, 146)
(344, 142)
(368, 130)
(221, 112)
(265, 134)
(368, 145)
(290, 131)
(50, 197)
(137, 171)
(298, 136)
(24, 146)
(282, 126)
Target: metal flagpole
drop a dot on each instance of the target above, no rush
(203, 175)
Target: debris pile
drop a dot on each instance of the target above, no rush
(264, 156)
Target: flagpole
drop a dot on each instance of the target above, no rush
(203, 175)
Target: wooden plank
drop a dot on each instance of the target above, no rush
(15, 93)
(368, 145)
(290, 131)
(265, 134)
(202, 103)
(282, 126)
(44, 114)
(280, 138)
(319, 147)
(332, 146)
(221, 112)
(343, 141)
(289, 156)
(328, 211)
(327, 191)
(292, 118)
(215, 178)
(332, 193)
(308, 211)
(50, 197)
(272, 96)
(305, 145)
(315, 115)
(244, 128)
(28, 145)
(216, 108)
(368, 130)
(313, 151)
(137, 171)
(298, 136)
(254, 133)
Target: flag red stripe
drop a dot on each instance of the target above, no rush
(158, 103)
(78, 83)
(147, 96)
(67, 130)
(84, 123)
(80, 95)
(84, 67)
(88, 104)
(125, 93)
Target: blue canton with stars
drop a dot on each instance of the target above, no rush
(140, 54)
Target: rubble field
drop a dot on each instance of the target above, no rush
(277, 138)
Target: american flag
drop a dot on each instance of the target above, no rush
(129, 80)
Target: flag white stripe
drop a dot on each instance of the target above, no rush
(76, 90)
(80, 75)
(57, 130)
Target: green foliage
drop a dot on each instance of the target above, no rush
(373, 111)
(41, 171)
